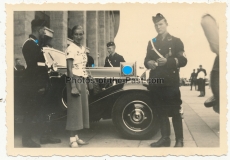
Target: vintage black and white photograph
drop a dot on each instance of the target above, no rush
(123, 76)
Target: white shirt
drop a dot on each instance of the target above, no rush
(201, 75)
(78, 54)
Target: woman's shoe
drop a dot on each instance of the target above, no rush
(73, 144)
(81, 142)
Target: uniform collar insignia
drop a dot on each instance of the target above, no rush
(31, 36)
(36, 41)
(169, 37)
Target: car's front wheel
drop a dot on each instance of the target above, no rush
(134, 116)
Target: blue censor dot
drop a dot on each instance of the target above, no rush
(154, 39)
(127, 70)
(92, 65)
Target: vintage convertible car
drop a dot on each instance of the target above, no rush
(128, 104)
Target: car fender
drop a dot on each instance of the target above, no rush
(101, 104)
(118, 89)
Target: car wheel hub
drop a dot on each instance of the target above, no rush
(137, 116)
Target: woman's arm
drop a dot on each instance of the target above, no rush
(73, 82)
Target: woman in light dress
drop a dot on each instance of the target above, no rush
(77, 92)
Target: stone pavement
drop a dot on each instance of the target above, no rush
(201, 128)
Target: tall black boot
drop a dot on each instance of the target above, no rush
(178, 129)
(164, 141)
(47, 136)
(28, 126)
(26, 137)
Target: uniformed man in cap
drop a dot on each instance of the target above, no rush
(114, 59)
(165, 55)
(36, 85)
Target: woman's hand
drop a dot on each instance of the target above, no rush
(87, 91)
(74, 91)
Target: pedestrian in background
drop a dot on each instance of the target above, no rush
(201, 81)
(193, 79)
(18, 66)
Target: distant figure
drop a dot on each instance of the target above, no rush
(193, 79)
(90, 60)
(197, 70)
(114, 59)
(201, 81)
(18, 66)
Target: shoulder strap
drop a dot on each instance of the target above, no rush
(28, 40)
(25, 42)
(155, 49)
(110, 62)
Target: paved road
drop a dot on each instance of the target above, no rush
(201, 128)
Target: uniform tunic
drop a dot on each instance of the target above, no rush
(78, 109)
(34, 78)
(114, 60)
(166, 95)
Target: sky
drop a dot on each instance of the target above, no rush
(136, 29)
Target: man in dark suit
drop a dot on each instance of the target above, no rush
(193, 79)
(114, 59)
(36, 85)
(165, 55)
(90, 60)
(18, 66)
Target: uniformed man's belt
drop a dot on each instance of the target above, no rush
(41, 64)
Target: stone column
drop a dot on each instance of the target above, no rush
(107, 26)
(111, 26)
(91, 34)
(22, 29)
(58, 23)
(78, 18)
(101, 38)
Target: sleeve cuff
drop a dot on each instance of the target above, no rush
(177, 62)
(171, 63)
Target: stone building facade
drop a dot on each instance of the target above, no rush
(100, 27)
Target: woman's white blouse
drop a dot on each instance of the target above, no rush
(79, 59)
